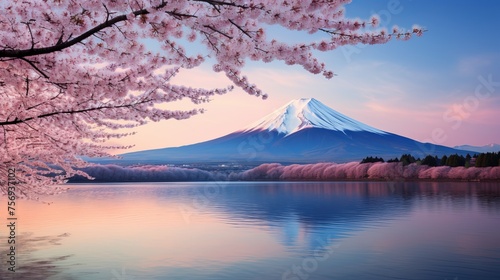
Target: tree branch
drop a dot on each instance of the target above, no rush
(15, 53)
(218, 31)
(34, 66)
(17, 121)
(222, 3)
(59, 47)
(240, 28)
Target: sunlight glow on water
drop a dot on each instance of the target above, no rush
(338, 230)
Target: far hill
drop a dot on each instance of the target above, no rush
(491, 148)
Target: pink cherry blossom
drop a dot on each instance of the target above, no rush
(74, 73)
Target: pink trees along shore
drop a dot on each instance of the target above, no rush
(73, 73)
(390, 171)
(326, 171)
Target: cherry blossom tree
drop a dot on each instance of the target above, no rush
(73, 74)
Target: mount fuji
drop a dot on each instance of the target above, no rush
(302, 131)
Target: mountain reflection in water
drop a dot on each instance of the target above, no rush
(262, 230)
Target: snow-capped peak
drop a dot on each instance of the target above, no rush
(308, 113)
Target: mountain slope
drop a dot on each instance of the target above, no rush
(302, 131)
(308, 113)
(492, 148)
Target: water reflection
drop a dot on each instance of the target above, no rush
(314, 205)
(33, 266)
(370, 230)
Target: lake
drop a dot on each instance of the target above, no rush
(260, 230)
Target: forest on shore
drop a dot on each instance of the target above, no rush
(480, 167)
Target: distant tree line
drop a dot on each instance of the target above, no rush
(481, 160)
(372, 159)
(488, 159)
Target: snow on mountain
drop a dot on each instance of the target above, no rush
(480, 149)
(308, 113)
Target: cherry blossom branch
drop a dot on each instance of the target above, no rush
(34, 67)
(61, 46)
(99, 108)
(222, 3)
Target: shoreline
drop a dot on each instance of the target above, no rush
(406, 180)
(322, 172)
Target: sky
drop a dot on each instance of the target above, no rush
(443, 87)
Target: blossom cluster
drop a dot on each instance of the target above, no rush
(74, 73)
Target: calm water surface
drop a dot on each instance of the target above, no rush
(290, 231)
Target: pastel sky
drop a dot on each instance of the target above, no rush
(442, 88)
